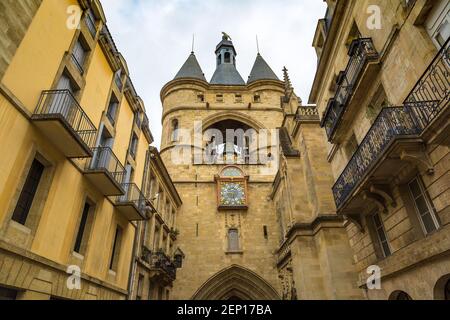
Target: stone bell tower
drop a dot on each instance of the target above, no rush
(227, 224)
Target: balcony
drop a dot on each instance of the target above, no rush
(62, 120)
(160, 263)
(362, 55)
(396, 138)
(106, 172)
(133, 203)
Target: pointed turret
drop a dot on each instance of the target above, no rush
(261, 71)
(226, 72)
(191, 69)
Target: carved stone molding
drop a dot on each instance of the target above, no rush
(376, 199)
(419, 158)
(357, 220)
(385, 192)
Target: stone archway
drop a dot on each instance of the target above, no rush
(442, 288)
(236, 283)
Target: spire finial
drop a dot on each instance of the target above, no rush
(257, 44)
(287, 83)
(193, 42)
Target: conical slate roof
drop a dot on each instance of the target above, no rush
(227, 74)
(191, 69)
(261, 71)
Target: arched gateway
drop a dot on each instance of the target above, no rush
(236, 283)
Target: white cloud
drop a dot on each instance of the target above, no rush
(155, 38)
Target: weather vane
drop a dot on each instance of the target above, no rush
(225, 36)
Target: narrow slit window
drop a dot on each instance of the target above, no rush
(28, 193)
(116, 250)
(81, 240)
(381, 234)
(233, 240)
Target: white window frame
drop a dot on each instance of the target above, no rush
(379, 229)
(437, 18)
(430, 206)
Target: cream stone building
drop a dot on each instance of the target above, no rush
(258, 219)
(382, 91)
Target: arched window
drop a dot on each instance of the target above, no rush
(232, 172)
(227, 57)
(233, 240)
(400, 295)
(175, 127)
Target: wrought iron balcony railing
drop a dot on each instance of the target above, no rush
(361, 52)
(146, 254)
(434, 85)
(105, 160)
(427, 100)
(62, 105)
(161, 261)
(133, 195)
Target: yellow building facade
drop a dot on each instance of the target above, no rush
(75, 139)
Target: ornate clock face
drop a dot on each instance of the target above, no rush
(232, 194)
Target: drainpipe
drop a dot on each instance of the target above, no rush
(133, 264)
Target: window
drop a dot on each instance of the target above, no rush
(353, 34)
(167, 294)
(133, 146)
(403, 296)
(257, 98)
(7, 294)
(378, 102)
(423, 205)
(227, 57)
(381, 234)
(28, 193)
(83, 230)
(438, 23)
(160, 293)
(265, 232)
(140, 287)
(112, 109)
(238, 98)
(116, 249)
(233, 240)
(79, 54)
(219, 98)
(351, 146)
(175, 127)
(156, 238)
(200, 98)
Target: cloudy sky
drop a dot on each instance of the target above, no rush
(155, 37)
